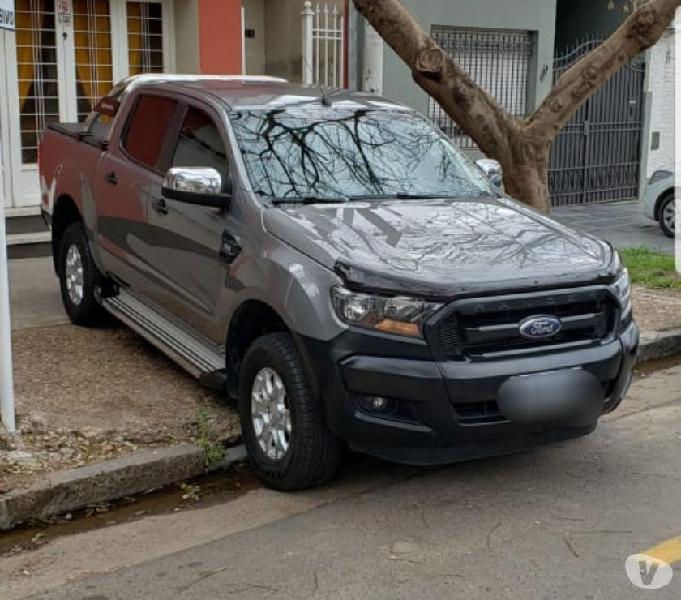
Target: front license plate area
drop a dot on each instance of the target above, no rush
(571, 397)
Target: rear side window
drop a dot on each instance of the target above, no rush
(147, 128)
(200, 144)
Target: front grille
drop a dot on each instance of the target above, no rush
(481, 328)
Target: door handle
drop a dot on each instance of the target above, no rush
(111, 178)
(160, 206)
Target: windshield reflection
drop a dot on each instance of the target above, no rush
(325, 153)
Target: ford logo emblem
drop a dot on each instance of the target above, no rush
(538, 328)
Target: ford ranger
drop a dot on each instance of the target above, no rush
(333, 263)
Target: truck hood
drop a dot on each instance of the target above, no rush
(439, 248)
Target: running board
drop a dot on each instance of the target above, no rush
(201, 361)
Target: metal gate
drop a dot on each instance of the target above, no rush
(323, 44)
(597, 155)
(497, 59)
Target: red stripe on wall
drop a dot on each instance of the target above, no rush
(220, 37)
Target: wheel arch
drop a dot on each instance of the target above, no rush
(66, 212)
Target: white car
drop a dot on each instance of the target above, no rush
(658, 201)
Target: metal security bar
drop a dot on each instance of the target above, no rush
(498, 60)
(94, 62)
(37, 73)
(323, 45)
(145, 37)
(597, 155)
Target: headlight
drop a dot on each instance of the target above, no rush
(396, 315)
(623, 290)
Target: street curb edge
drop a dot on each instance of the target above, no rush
(73, 489)
(656, 345)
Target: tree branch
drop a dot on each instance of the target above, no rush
(638, 33)
(475, 111)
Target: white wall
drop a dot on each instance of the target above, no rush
(662, 103)
(186, 19)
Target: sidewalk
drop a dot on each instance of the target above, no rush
(34, 294)
(621, 223)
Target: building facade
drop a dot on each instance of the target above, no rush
(65, 54)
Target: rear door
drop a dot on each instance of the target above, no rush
(129, 178)
(188, 238)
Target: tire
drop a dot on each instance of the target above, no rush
(313, 453)
(667, 225)
(78, 288)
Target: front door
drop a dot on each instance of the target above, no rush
(190, 268)
(63, 56)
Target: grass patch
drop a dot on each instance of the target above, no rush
(651, 269)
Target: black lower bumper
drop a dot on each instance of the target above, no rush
(442, 412)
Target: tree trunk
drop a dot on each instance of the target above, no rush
(525, 166)
(522, 146)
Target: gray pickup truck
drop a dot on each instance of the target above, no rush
(332, 262)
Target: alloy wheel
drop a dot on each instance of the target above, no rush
(271, 414)
(669, 216)
(73, 275)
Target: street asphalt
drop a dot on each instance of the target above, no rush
(557, 523)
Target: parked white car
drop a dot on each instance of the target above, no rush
(658, 201)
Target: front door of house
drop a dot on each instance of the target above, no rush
(63, 56)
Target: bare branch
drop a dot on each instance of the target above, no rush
(638, 33)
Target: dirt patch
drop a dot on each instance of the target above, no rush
(657, 310)
(84, 395)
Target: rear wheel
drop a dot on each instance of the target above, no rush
(668, 216)
(78, 277)
(282, 421)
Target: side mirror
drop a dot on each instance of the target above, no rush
(108, 106)
(493, 170)
(196, 185)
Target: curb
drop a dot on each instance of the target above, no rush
(656, 345)
(70, 490)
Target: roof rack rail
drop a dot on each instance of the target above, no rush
(136, 80)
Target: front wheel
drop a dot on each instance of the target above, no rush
(283, 426)
(668, 216)
(78, 277)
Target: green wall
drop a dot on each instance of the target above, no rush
(538, 16)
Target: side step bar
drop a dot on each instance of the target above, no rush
(200, 360)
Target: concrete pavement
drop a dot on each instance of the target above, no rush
(555, 523)
(34, 294)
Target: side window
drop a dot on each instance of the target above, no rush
(147, 128)
(199, 144)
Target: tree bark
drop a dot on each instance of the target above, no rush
(522, 146)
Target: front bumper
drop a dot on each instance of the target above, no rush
(450, 411)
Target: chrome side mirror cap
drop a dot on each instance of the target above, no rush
(493, 170)
(195, 185)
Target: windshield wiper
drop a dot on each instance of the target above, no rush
(414, 196)
(310, 200)
(402, 196)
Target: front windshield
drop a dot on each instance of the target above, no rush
(336, 153)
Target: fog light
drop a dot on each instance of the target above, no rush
(377, 404)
